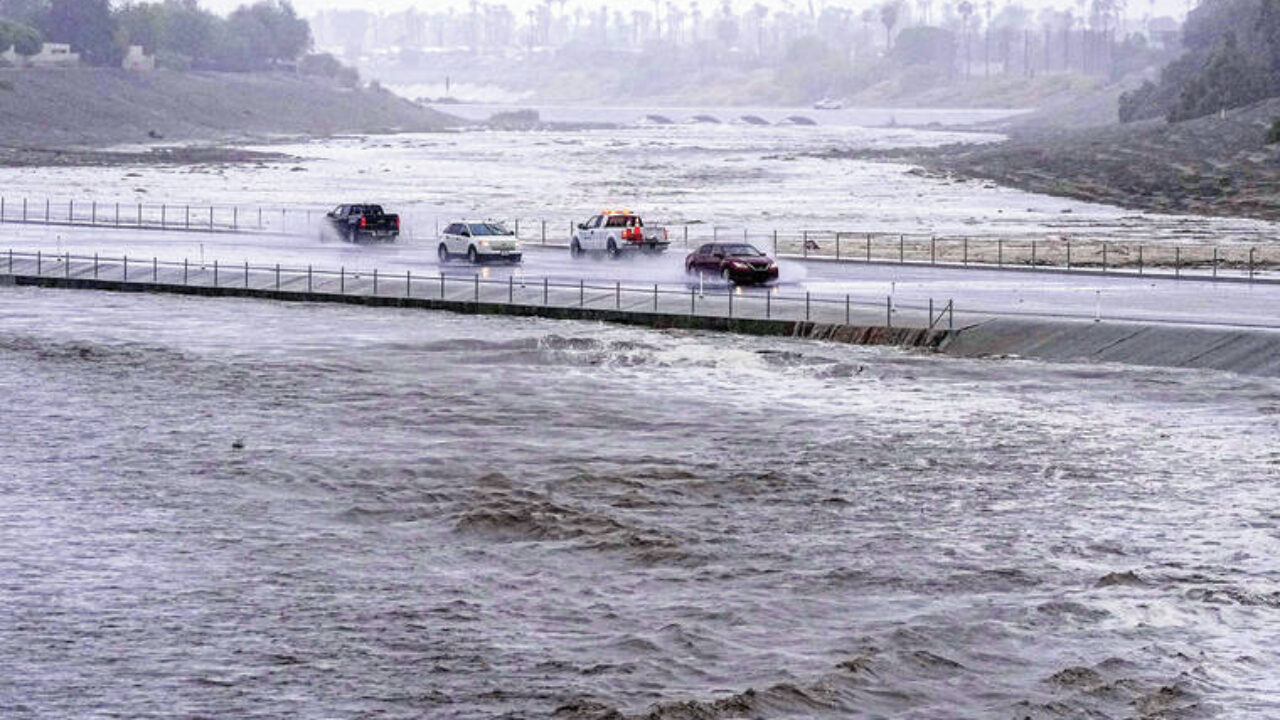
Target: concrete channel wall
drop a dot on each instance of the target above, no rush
(575, 302)
(1240, 350)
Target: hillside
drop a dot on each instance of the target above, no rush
(1218, 165)
(95, 107)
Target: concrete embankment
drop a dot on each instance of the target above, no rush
(711, 316)
(1251, 351)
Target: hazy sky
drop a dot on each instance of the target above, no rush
(1136, 8)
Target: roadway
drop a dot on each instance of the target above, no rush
(976, 292)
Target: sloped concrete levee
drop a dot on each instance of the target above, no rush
(1252, 351)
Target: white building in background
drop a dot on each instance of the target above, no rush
(138, 60)
(52, 55)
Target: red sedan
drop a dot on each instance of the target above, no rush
(735, 263)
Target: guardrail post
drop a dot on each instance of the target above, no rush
(215, 273)
(693, 301)
(965, 261)
(1215, 262)
(1251, 250)
(1068, 254)
(277, 277)
(46, 211)
(259, 217)
(71, 212)
(846, 309)
(902, 249)
(930, 313)
(1177, 261)
(544, 232)
(235, 218)
(184, 271)
(284, 222)
(246, 274)
(408, 283)
(95, 264)
(66, 266)
(768, 306)
(342, 280)
(139, 214)
(188, 217)
(730, 303)
(511, 289)
(117, 214)
(11, 261)
(888, 311)
(24, 210)
(805, 244)
(517, 227)
(868, 247)
(308, 278)
(39, 264)
(155, 269)
(837, 246)
(442, 285)
(1104, 256)
(93, 220)
(375, 282)
(477, 285)
(951, 314)
(999, 252)
(686, 236)
(546, 298)
(655, 297)
(1033, 254)
(775, 240)
(1, 209)
(1139, 261)
(806, 306)
(617, 297)
(582, 294)
(210, 218)
(124, 275)
(164, 215)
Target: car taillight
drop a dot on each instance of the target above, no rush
(397, 222)
(364, 222)
(665, 234)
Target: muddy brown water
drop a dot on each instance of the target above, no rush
(224, 508)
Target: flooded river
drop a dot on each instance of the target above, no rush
(224, 508)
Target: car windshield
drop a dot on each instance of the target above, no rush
(741, 251)
(487, 229)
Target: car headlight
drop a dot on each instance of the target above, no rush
(483, 243)
(737, 265)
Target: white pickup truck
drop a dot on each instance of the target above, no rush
(616, 232)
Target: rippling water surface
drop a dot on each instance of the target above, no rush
(241, 509)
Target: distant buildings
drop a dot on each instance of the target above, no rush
(59, 55)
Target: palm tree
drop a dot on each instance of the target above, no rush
(965, 8)
(889, 18)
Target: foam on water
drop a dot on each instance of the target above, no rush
(239, 508)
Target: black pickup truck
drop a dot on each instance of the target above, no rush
(355, 223)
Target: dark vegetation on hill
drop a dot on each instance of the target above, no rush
(1232, 59)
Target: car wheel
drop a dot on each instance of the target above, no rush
(613, 249)
(726, 276)
(472, 257)
(443, 253)
(575, 250)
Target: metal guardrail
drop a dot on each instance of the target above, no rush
(1069, 252)
(699, 300)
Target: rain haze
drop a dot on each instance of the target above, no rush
(654, 360)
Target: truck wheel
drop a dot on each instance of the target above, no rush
(613, 249)
(443, 253)
(575, 250)
(472, 257)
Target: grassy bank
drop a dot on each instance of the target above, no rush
(97, 107)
